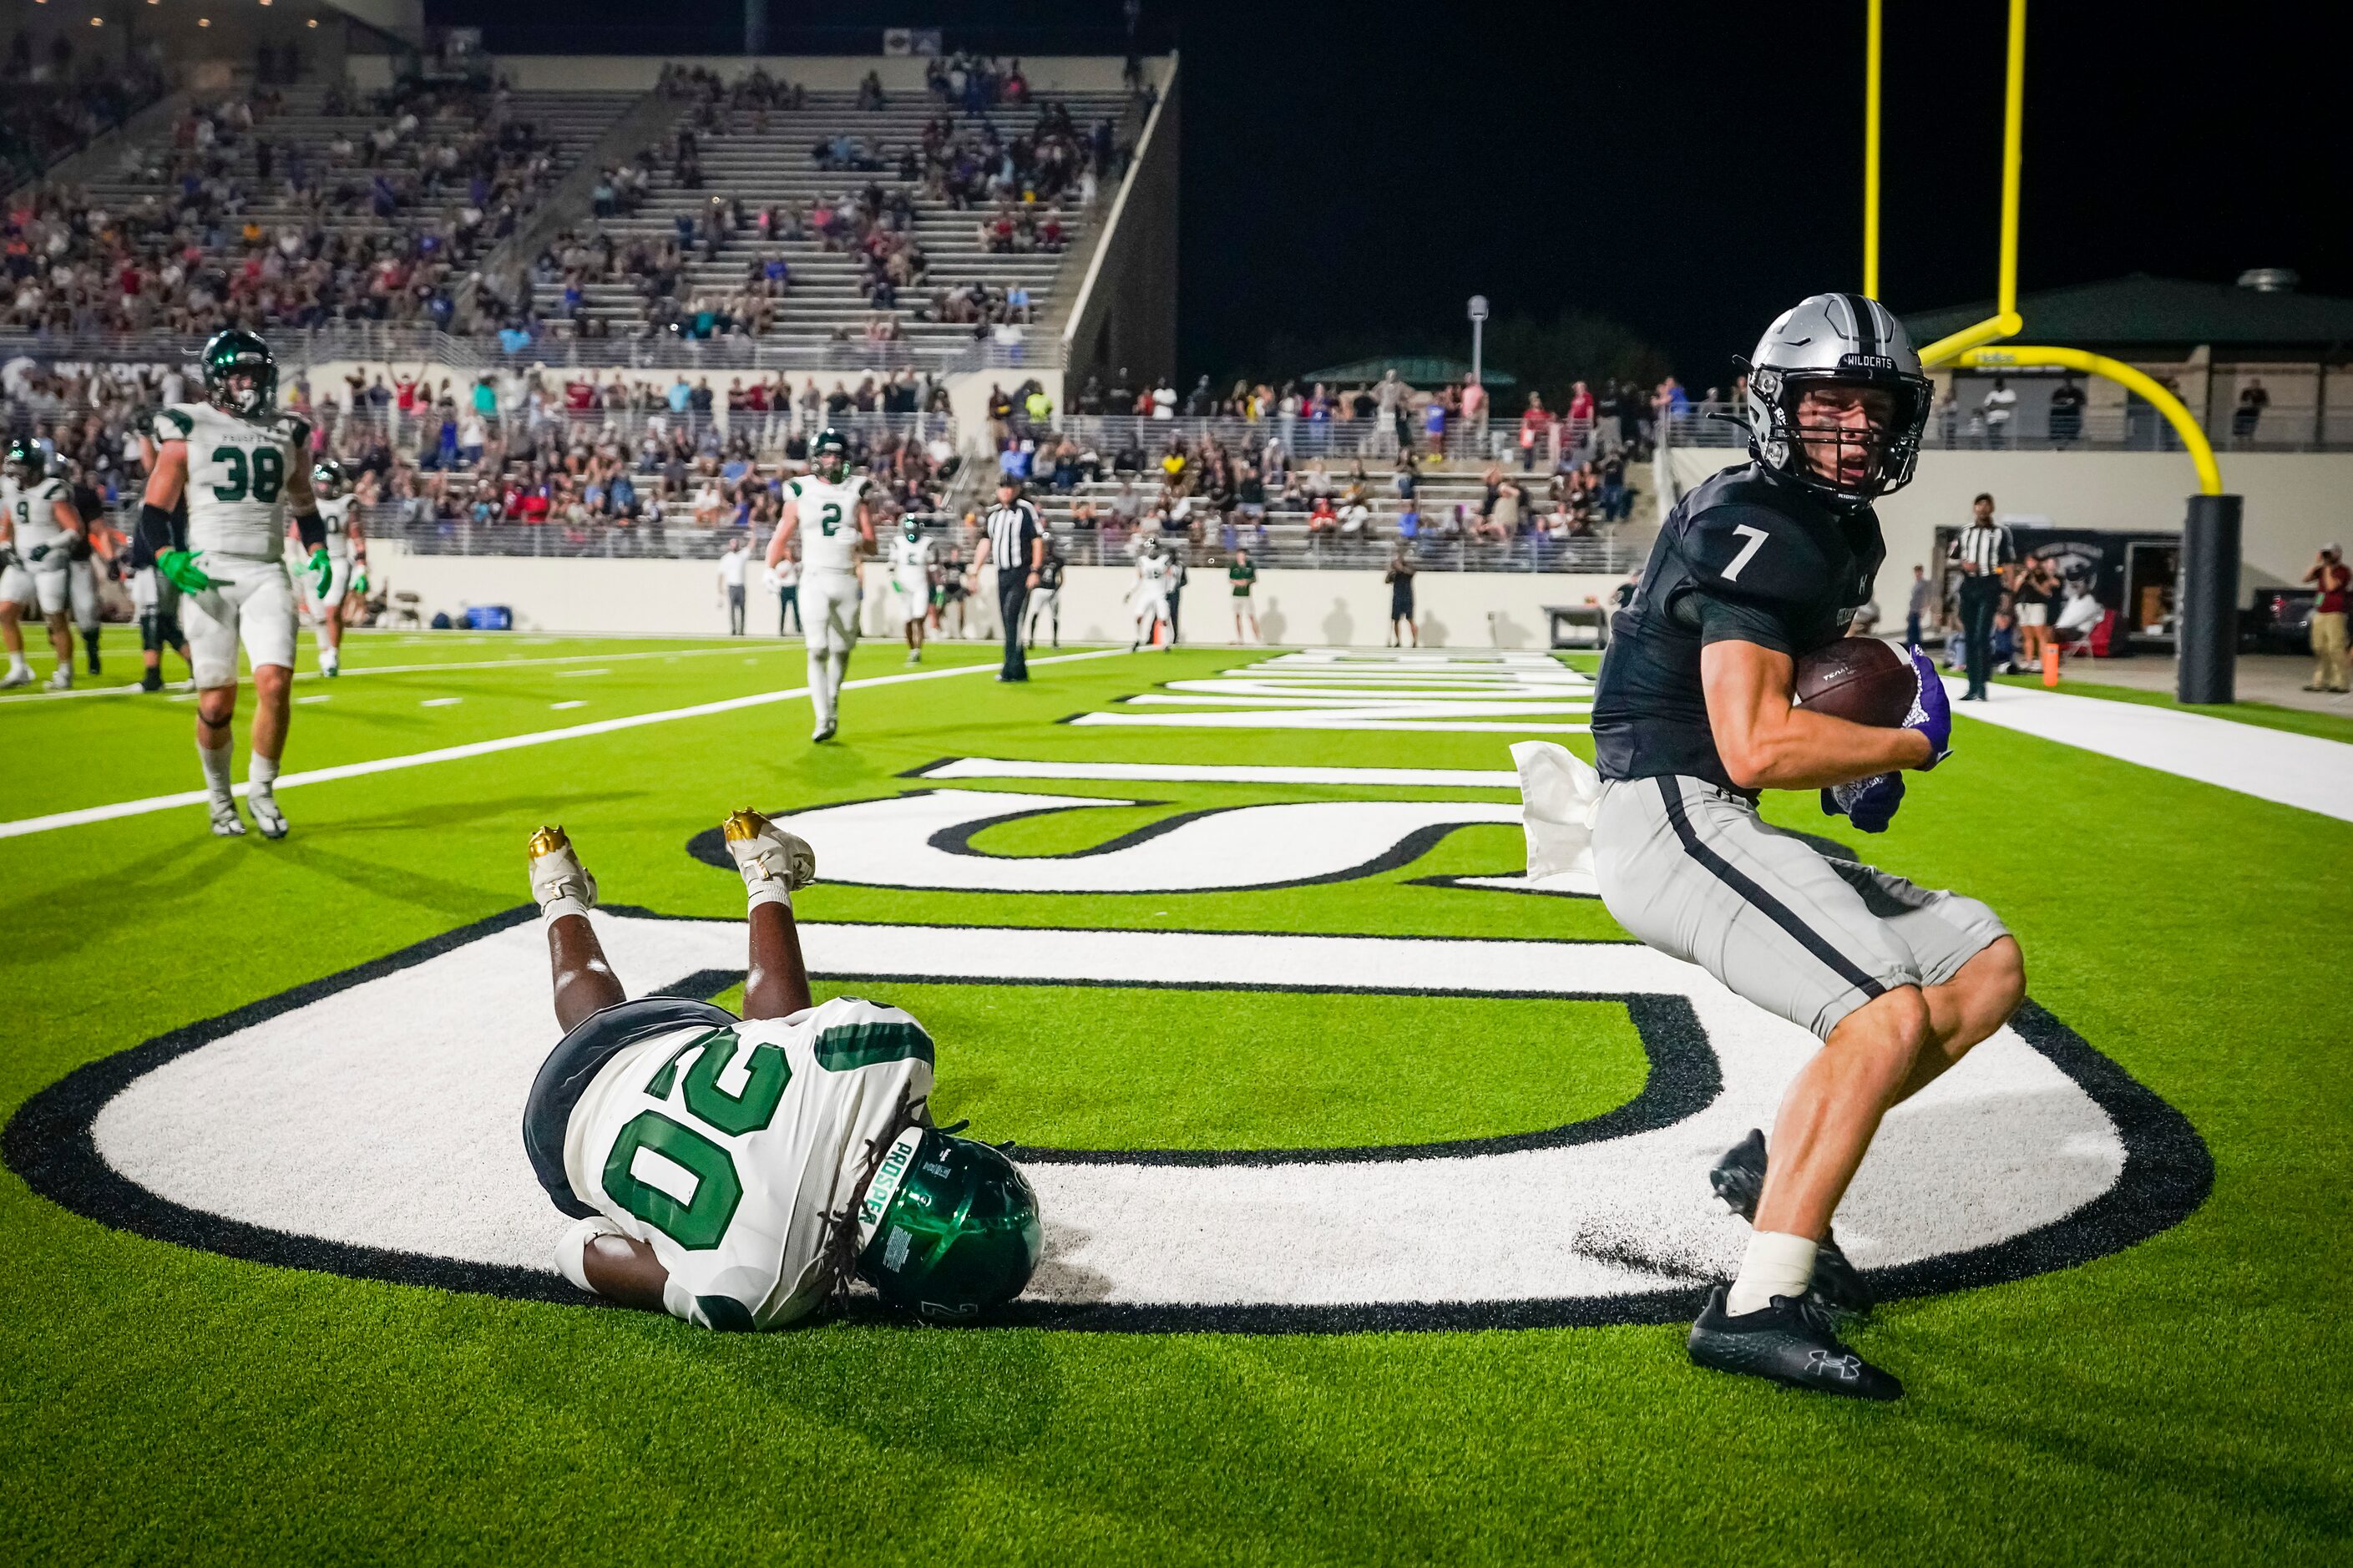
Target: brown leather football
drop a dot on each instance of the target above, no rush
(1860, 679)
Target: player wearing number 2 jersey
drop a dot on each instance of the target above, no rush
(241, 466)
(827, 510)
(738, 1174)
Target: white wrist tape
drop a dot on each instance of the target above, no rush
(572, 1249)
(767, 891)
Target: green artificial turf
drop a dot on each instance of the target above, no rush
(2183, 1400)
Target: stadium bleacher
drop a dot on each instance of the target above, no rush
(763, 163)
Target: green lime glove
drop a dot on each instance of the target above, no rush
(183, 569)
(322, 570)
(359, 578)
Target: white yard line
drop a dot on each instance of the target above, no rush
(1179, 772)
(665, 654)
(2271, 764)
(86, 814)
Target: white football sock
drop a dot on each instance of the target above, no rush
(1778, 1264)
(260, 771)
(330, 656)
(16, 665)
(820, 689)
(216, 765)
(836, 669)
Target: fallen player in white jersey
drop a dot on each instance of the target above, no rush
(739, 1173)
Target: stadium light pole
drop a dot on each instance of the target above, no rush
(1478, 325)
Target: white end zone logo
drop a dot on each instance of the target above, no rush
(369, 1125)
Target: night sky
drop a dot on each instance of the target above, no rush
(1353, 173)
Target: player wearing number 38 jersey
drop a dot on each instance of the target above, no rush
(241, 466)
(740, 1173)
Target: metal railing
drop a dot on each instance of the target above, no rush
(2281, 427)
(1495, 440)
(1284, 542)
(301, 347)
(416, 436)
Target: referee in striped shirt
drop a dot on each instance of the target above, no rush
(1984, 552)
(1017, 542)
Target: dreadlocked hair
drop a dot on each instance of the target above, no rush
(838, 1260)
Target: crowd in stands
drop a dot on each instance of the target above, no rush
(51, 107)
(530, 448)
(244, 228)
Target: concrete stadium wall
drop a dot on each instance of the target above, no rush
(2296, 501)
(1124, 315)
(682, 597)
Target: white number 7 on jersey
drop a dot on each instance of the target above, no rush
(1756, 537)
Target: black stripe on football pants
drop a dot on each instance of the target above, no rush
(1740, 882)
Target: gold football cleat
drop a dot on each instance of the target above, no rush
(739, 826)
(547, 841)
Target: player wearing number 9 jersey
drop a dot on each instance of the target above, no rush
(241, 466)
(738, 1174)
(827, 510)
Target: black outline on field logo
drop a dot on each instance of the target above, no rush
(2168, 1172)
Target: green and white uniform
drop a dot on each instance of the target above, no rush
(829, 538)
(238, 473)
(911, 577)
(736, 1152)
(336, 515)
(31, 509)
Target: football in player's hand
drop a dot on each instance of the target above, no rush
(1860, 679)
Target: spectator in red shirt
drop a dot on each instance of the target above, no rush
(1536, 430)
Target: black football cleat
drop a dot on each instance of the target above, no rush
(1791, 1342)
(1739, 1177)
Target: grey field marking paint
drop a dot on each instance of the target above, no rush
(88, 814)
(924, 839)
(395, 1154)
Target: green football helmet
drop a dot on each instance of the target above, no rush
(240, 373)
(26, 461)
(830, 456)
(950, 1227)
(912, 527)
(327, 478)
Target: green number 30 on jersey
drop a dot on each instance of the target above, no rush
(700, 1223)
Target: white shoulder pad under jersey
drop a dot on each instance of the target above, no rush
(238, 470)
(32, 511)
(828, 522)
(336, 515)
(910, 563)
(735, 1152)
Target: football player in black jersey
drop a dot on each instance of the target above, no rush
(1759, 566)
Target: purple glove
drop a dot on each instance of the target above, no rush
(1870, 804)
(1932, 715)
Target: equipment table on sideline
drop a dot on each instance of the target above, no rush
(1566, 621)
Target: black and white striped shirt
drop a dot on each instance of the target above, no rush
(1984, 548)
(1012, 530)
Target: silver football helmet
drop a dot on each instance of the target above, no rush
(1842, 339)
